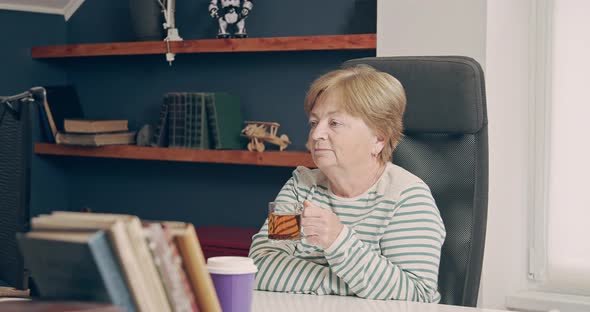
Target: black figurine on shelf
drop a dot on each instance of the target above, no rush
(231, 12)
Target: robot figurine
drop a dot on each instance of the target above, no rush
(231, 12)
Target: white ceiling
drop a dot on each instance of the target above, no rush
(62, 7)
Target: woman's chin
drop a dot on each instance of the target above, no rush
(322, 161)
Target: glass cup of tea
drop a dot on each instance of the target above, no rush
(284, 221)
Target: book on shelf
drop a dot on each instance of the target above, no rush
(11, 292)
(58, 104)
(75, 266)
(200, 120)
(96, 139)
(197, 132)
(225, 121)
(95, 126)
(176, 119)
(160, 138)
(187, 121)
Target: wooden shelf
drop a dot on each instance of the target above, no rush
(269, 158)
(303, 43)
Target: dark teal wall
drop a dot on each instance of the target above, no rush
(18, 73)
(19, 31)
(112, 20)
(271, 87)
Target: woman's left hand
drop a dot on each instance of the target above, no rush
(321, 226)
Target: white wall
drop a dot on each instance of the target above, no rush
(496, 33)
(431, 27)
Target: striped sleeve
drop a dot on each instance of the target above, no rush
(407, 266)
(278, 269)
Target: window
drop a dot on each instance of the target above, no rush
(560, 250)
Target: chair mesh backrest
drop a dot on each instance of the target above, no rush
(15, 154)
(445, 144)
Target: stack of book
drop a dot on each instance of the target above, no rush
(95, 133)
(10, 294)
(63, 121)
(200, 120)
(113, 258)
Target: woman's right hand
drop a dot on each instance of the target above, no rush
(321, 226)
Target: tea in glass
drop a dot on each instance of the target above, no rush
(284, 221)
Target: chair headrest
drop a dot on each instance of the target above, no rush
(445, 94)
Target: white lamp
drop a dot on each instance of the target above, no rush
(168, 9)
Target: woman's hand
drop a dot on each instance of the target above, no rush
(321, 226)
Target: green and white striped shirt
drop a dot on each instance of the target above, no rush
(389, 247)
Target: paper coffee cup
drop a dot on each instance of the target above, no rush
(233, 278)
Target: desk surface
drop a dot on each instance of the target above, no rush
(272, 302)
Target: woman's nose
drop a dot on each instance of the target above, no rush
(318, 133)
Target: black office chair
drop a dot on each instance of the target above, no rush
(446, 145)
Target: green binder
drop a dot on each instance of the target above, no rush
(176, 120)
(160, 138)
(202, 120)
(225, 120)
(187, 120)
(197, 134)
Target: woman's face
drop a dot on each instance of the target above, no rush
(339, 140)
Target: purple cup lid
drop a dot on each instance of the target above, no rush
(231, 265)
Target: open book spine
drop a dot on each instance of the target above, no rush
(178, 263)
(168, 265)
(137, 237)
(196, 268)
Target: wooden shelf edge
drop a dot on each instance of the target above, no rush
(239, 157)
(266, 44)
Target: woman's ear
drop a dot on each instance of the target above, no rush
(378, 144)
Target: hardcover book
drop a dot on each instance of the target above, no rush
(95, 126)
(97, 139)
(225, 120)
(169, 266)
(160, 138)
(186, 240)
(187, 120)
(75, 266)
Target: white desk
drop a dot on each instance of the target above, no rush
(280, 302)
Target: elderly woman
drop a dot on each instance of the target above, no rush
(372, 229)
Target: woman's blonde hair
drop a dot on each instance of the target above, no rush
(376, 97)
